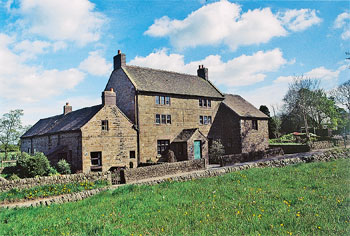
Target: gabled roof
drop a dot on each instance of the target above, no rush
(185, 135)
(161, 81)
(62, 123)
(242, 108)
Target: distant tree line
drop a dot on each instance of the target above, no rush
(306, 107)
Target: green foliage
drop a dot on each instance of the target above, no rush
(304, 199)
(13, 177)
(10, 129)
(15, 195)
(31, 166)
(52, 171)
(63, 167)
(216, 150)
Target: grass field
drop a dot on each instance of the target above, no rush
(304, 199)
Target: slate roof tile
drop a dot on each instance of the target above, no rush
(243, 108)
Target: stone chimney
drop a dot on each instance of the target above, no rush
(119, 60)
(67, 108)
(202, 72)
(109, 98)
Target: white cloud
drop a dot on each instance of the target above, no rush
(239, 71)
(225, 23)
(322, 73)
(95, 64)
(299, 20)
(72, 20)
(220, 22)
(343, 22)
(31, 83)
(30, 49)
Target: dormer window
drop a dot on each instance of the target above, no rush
(104, 125)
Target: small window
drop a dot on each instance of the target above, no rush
(255, 124)
(209, 103)
(29, 150)
(200, 102)
(209, 120)
(162, 100)
(162, 145)
(157, 100)
(167, 100)
(132, 154)
(168, 119)
(163, 119)
(96, 158)
(157, 119)
(104, 124)
(131, 165)
(205, 102)
(49, 139)
(205, 120)
(201, 120)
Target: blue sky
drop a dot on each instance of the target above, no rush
(56, 51)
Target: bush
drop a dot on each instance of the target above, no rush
(63, 167)
(52, 171)
(216, 151)
(31, 166)
(13, 177)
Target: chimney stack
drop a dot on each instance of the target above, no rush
(109, 98)
(119, 60)
(202, 72)
(67, 109)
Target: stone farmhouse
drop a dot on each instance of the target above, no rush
(144, 113)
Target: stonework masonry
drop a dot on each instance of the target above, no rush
(184, 111)
(115, 144)
(254, 140)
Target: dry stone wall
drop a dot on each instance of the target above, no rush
(48, 180)
(317, 157)
(133, 175)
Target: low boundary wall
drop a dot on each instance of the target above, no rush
(48, 180)
(132, 175)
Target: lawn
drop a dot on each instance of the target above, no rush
(304, 199)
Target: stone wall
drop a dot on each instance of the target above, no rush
(133, 175)
(252, 156)
(254, 140)
(290, 149)
(226, 128)
(115, 144)
(125, 91)
(321, 156)
(56, 146)
(322, 145)
(48, 180)
(184, 111)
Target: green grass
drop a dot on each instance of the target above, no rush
(304, 199)
(15, 195)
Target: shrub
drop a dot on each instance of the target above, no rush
(31, 166)
(52, 171)
(216, 151)
(13, 177)
(63, 167)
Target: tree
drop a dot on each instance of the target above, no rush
(216, 150)
(342, 94)
(10, 129)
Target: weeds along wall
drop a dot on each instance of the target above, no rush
(59, 179)
(132, 175)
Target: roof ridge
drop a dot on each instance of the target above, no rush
(162, 70)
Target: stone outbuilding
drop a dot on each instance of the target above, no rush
(97, 138)
(240, 126)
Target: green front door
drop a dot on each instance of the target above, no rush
(197, 149)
